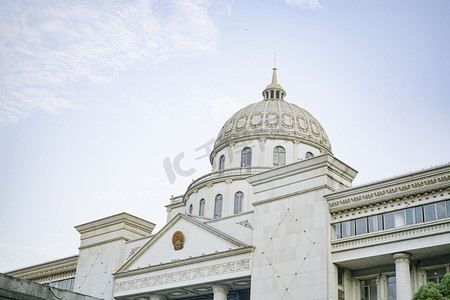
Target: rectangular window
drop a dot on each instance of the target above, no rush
(430, 212)
(436, 275)
(369, 289)
(389, 220)
(399, 218)
(340, 276)
(410, 216)
(448, 208)
(419, 214)
(392, 288)
(337, 231)
(440, 210)
(380, 222)
(348, 228)
(361, 226)
(373, 226)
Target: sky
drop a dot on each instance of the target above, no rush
(96, 95)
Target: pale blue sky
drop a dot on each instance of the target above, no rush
(94, 95)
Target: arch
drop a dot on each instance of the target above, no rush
(271, 94)
(279, 156)
(238, 198)
(309, 154)
(278, 95)
(191, 208)
(222, 162)
(246, 157)
(218, 206)
(201, 209)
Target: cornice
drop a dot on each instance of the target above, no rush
(185, 262)
(305, 191)
(126, 218)
(404, 186)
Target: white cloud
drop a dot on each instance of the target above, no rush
(47, 47)
(304, 4)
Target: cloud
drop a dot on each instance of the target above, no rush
(47, 48)
(304, 4)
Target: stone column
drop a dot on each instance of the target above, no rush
(157, 297)
(220, 292)
(402, 276)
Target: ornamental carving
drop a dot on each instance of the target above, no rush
(314, 128)
(271, 119)
(245, 223)
(178, 240)
(241, 122)
(212, 270)
(229, 127)
(287, 120)
(133, 251)
(256, 120)
(302, 124)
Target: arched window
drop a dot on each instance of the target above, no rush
(222, 162)
(279, 156)
(238, 197)
(309, 155)
(271, 94)
(278, 94)
(201, 210)
(246, 157)
(191, 208)
(218, 206)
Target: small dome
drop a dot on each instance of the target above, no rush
(273, 117)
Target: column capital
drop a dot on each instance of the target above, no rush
(401, 257)
(220, 288)
(157, 297)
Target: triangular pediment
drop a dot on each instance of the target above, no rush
(199, 240)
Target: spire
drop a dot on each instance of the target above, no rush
(274, 91)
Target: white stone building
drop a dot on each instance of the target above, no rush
(277, 218)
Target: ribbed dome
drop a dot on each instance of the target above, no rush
(271, 118)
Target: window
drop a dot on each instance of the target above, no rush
(65, 284)
(389, 220)
(440, 210)
(246, 157)
(430, 212)
(191, 207)
(369, 289)
(309, 155)
(410, 216)
(337, 231)
(436, 275)
(238, 197)
(222, 162)
(279, 156)
(419, 214)
(392, 288)
(278, 94)
(271, 94)
(373, 224)
(348, 228)
(361, 226)
(218, 206)
(399, 218)
(201, 210)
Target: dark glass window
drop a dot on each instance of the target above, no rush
(418, 214)
(222, 162)
(389, 220)
(392, 288)
(238, 197)
(278, 94)
(380, 222)
(430, 212)
(436, 275)
(279, 156)
(369, 289)
(191, 207)
(410, 216)
(440, 210)
(218, 206)
(201, 210)
(448, 208)
(361, 226)
(246, 157)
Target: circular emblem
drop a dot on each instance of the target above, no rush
(178, 240)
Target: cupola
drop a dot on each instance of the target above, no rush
(274, 91)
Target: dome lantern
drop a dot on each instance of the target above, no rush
(274, 91)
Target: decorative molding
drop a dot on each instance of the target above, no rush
(133, 251)
(195, 273)
(245, 223)
(401, 258)
(391, 191)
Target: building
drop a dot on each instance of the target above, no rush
(277, 218)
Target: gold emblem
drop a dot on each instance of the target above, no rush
(178, 240)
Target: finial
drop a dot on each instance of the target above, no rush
(274, 60)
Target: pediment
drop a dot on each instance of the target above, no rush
(199, 240)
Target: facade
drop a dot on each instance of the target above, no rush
(277, 218)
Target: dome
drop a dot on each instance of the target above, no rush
(273, 117)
